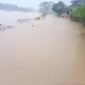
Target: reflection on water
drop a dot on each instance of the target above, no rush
(49, 53)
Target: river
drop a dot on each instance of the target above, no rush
(48, 51)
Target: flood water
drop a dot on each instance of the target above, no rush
(51, 52)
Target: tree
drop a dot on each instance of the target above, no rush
(45, 6)
(59, 7)
(79, 12)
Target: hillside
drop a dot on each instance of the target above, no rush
(13, 7)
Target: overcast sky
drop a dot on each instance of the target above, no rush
(30, 3)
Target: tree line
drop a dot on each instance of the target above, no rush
(76, 9)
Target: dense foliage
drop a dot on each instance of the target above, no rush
(59, 7)
(78, 11)
(45, 6)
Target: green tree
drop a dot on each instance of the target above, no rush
(79, 11)
(45, 6)
(59, 7)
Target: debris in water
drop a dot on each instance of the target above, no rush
(4, 27)
(10, 27)
(37, 18)
(32, 25)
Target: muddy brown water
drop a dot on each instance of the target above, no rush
(50, 53)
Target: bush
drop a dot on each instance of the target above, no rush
(78, 13)
(59, 7)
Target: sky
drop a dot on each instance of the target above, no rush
(31, 3)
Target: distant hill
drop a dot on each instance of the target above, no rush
(13, 7)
